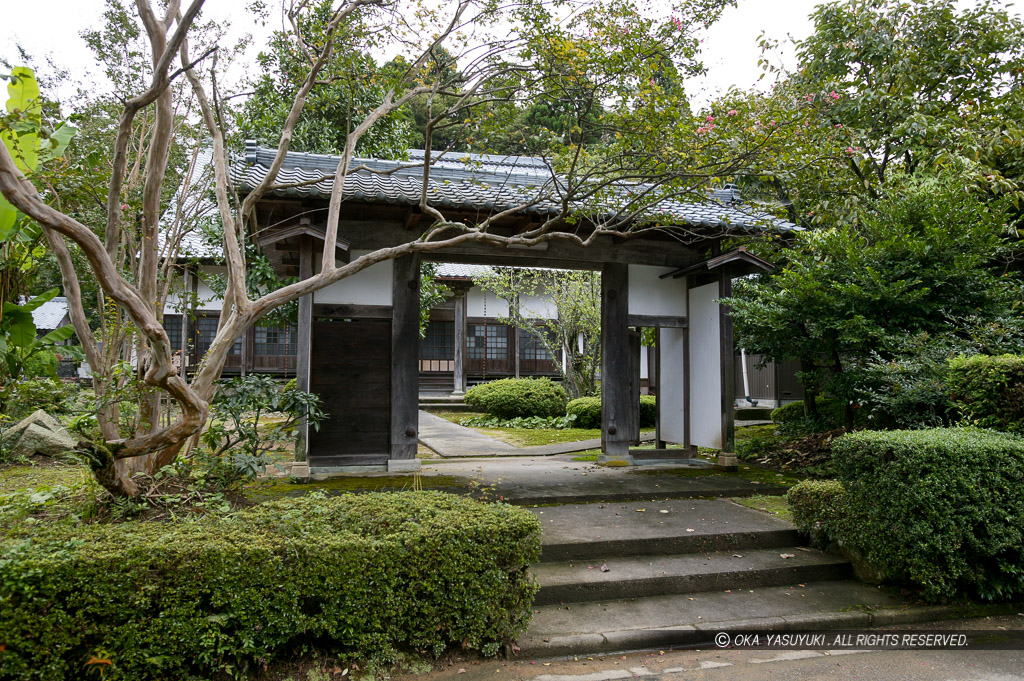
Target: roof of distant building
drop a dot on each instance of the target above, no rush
(50, 314)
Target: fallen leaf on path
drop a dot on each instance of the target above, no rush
(787, 555)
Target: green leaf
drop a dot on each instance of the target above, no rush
(58, 335)
(38, 301)
(23, 91)
(22, 331)
(61, 137)
(8, 216)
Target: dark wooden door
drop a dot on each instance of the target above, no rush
(350, 369)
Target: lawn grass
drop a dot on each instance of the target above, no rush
(772, 505)
(21, 477)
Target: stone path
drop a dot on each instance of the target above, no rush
(450, 440)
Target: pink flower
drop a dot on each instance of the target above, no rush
(731, 112)
(834, 95)
(124, 206)
(849, 150)
(808, 98)
(710, 119)
(838, 125)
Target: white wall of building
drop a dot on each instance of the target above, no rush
(485, 304)
(207, 301)
(649, 295)
(538, 307)
(705, 368)
(371, 286)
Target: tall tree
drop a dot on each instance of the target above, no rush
(649, 140)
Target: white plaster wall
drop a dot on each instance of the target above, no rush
(705, 368)
(649, 295)
(644, 368)
(496, 307)
(207, 301)
(371, 286)
(671, 400)
(538, 307)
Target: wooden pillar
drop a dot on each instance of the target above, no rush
(515, 336)
(727, 456)
(654, 353)
(616, 391)
(303, 339)
(187, 310)
(688, 445)
(405, 334)
(460, 342)
(634, 385)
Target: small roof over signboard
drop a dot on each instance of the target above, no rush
(740, 261)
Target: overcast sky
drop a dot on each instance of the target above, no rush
(731, 50)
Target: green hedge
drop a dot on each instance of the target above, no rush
(818, 507)
(989, 390)
(941, 509)
(588, 411)
(360, 576)
(511, 397)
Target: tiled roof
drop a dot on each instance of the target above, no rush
(473, 182)
(447, 270)
(50, 314)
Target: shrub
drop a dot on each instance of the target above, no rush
(791, 418)
(942, 509)
(511, 397)
(361, 575)
(819, 507)
(588, 411)
(24, 396)
(989, 390)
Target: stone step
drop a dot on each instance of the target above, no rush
(574, 532)
(662, 622)
(638, 576)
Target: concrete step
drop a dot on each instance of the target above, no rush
(634, 577)
(573, 532)
(682, 620)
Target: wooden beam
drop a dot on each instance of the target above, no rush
(412, 219)
(657, 321)
(728, 355)
(304, 340)
(616, 404)
(405, 345)
(351, 311)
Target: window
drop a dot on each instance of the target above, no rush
(439, 342)
(488, 341)
(531, 348)
(274, 341)
(172, 325)
(206, 331)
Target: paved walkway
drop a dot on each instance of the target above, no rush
(450, 440)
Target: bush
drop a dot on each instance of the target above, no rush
(819, 507)
(511, 397)
(588, 411)
(24, 396)
(989, 390)
(791, 418)
(359, 575)
(941, 509)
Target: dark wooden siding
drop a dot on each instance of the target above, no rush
(350, 369)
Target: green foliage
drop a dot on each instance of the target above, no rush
(236, 436)
(588, 411)
(520, 423)
(753, 442)
(431, 294)
(576, 296)
(360, 576)
(24, 396)
(818, 507)
(793, 418)
(989, 391)
(511, 397)
(19, 345)
(920, 263)
(940, 509)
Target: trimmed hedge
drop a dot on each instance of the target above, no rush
(941, 509)
(989, 390)
(360, 575)
(588, 411)
(818, 507)
(508, 398)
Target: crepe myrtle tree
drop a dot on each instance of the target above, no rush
(623, 59)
